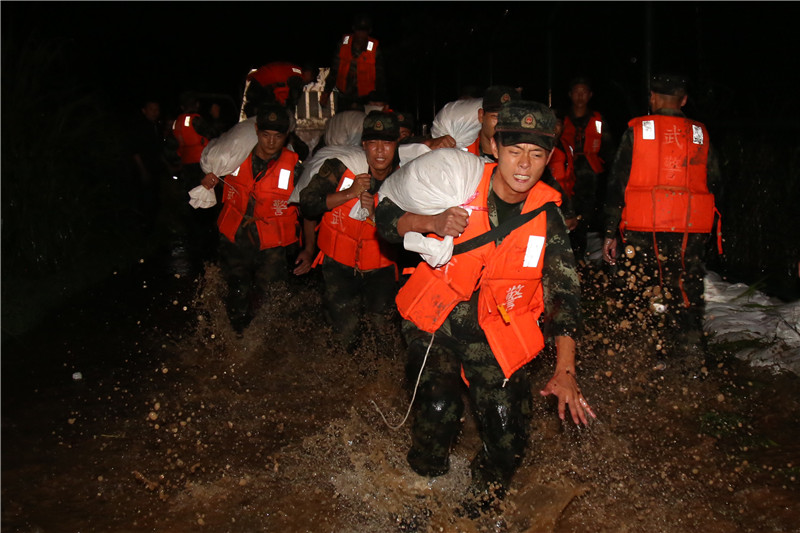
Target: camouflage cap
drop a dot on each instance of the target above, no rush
(405, 120)
(526, 122)
(273, 117)
(380, 125)
(497, 95)
(669, 83)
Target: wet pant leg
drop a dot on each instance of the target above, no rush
(342, 299)
(503, 412)
(379, 289)
(236, 260)
(438, 406)
(270, 265)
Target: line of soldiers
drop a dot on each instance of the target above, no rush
(485, 312)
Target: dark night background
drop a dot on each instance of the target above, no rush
(74, 74)
(129, 405)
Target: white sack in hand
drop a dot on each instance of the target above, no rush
(429, 185)
(202, 197)
(458, 119)
(435, 252)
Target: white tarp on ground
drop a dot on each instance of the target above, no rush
(736, 312)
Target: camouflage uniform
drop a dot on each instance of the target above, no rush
(349, 291)
(247, 269)
(675, 263)
(589, 186)
(502, 408)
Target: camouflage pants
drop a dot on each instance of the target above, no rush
(248, 271)
(502, 409)
(679, 273)
(350, 293)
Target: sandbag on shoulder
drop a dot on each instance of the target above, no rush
(429, 185)
(344, 128)
(458, 119)
(353, 158)
(223, 155)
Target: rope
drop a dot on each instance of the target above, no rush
(413, 396)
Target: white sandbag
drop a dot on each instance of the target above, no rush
(429, 185)
(411, 151)
(345, 128)
(434, 182)
(458, 119)
(353, 158)
(223, 155)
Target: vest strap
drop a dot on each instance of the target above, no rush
(498, 232)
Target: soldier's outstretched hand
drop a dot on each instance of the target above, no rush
(564, 385)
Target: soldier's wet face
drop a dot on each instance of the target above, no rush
(519, 167)
(270, 143)
(380, 154)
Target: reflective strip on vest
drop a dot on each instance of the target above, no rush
(697, 134)
(533, 253)
(187, 121)
(648, 130)
(370, 46)
(346, 182)
(283, 178)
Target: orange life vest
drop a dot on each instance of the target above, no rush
(562, 167)
(365, 65)
(508, 276)
(592, 139)
(276, 220)
(351, 242)
(667, 190)
(190, 143)
(276, 75)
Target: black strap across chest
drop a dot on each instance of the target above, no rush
(498, 232)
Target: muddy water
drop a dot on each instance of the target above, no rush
(177, 424)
